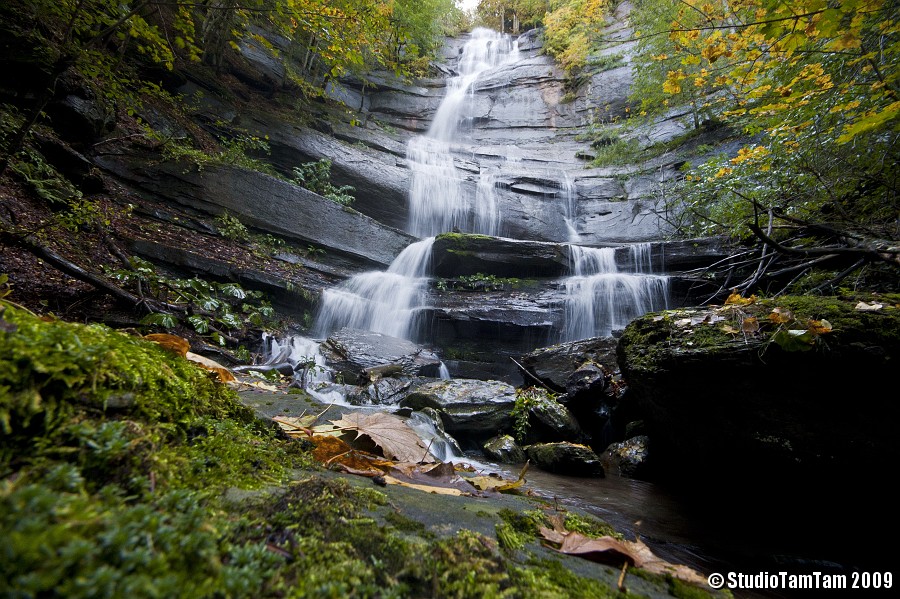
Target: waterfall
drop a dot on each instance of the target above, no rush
(599, 299)
(384, 302)
(438, 200)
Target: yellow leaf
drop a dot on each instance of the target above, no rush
(781, 315)
(735, 299)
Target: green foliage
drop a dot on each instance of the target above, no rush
(231, 228)
(235, 150)
(478, 282)
(510, 15)
(526, 399)
(316, 177)
(813, 87)
(208, 305)
(45, 180)
(573, 30)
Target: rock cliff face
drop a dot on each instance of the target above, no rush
(527, 133)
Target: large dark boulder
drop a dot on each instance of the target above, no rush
(356, 353)
(798, 388)
(456, 254)
(478, 409)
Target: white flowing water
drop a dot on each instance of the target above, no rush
(599, 299)
(438, 199)
(386, 302)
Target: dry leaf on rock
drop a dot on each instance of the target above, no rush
(867, 307)
(295, 424)
(335, 451)
(432, 478)
(612, 551)
(392, 435)
(173, 343)
(494, 482)
(225, 375)
(426, 488)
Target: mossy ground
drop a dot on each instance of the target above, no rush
(125, 470)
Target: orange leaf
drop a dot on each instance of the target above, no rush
(781, 315)
(736, 299)
(173, 343)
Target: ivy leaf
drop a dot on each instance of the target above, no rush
(200, 324)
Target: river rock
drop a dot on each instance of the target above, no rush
(504, 449)
(456, 254)
(350, 352)
(383, 391)
(474, 408)
(627, 458)
(796, 406)
(550, 420)
(556, 365)
(566, 458)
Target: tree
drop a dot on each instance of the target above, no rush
(572, 30)
(813, 86)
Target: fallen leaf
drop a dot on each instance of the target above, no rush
(750, 325)
(494, 482)
(335, 451)
(426, 488)
(819, 327)
(609, 550)
(173, 343)
(866, 307)
(396, 439)
(257, 384)
(428, 476)
(781, 315)
(295, 423)
(225, 375)
(735, 299)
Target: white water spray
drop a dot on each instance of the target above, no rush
(438, 200)
(386, 302)
(599, 299)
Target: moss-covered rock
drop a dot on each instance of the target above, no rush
(566, 458)
(795, 385)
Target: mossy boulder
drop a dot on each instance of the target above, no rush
(795, 386)
(504, 449)
(566, 458)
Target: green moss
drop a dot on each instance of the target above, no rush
(509, 538)
(461, 237)
(549, 578)
(589, 526)
(406, 524)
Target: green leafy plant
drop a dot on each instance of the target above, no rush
(480, 282)
(316, 177)
(231, 228)
(206, 306)
(526, 399)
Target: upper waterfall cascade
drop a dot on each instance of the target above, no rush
(438, 200)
